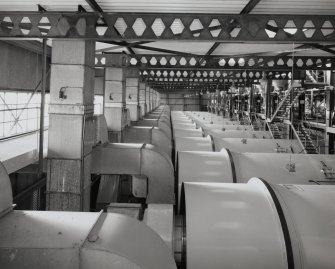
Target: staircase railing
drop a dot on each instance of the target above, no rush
(268, 125)
(281, 103)
(298, 138)
(292, 102)
(317, 146)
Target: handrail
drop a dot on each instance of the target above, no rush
(267, 124)
(281, 103)
(297, 136)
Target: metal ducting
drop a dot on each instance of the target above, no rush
(258, 225)
(222, 127)
(187, 133)
(276, 168)
(240, 134)
(37, 239)
(148, 135)
(232, 226)
(138, 159)
(193, 144)
(238, 145)
(51, 239)
(199, 166)
(184, 125)
(162, 124)
(101, 129)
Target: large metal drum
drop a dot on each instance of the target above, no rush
(259, 225)
(232, 226)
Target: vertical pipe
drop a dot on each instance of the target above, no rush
(44, 74)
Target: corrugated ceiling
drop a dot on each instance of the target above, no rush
(174, 6)
(49, 5)
(315, 7)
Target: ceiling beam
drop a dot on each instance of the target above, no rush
(41, 8)
(121, 46)
(324, 48)
(246, 10)
(96, 7)
(249, 7)
(81, 9)
(247, 30)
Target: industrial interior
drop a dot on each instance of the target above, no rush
(173, 134)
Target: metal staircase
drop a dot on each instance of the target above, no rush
(275, 131)
(283, 110)
(305, 138)
(258, 125)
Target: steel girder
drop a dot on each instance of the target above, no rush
(139, 26)
(159, 61)
(176, 75)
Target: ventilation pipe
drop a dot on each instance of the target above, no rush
(258, 225)
(138, 159)
(40, 239)
(232, 167)
(193, 144)
(237, 145)
(148, 135)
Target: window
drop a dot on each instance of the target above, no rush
(20, 112)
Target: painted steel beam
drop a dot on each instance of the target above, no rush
(266, 63)
(214, 75)
(139, 26)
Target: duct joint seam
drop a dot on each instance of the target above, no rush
(280, 212)
(233, 170)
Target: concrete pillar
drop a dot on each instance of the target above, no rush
(132, 93)
(150, 99)
(153, 99)
(142, 98)
(115, 102)
(71, 129)
(147, 99)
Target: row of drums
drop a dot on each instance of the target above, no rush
(250, 201)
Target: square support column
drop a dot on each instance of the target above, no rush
(147, 99)
(132, 93)
(115, 103)
(142, 98)
(151, 99)
(71, 128)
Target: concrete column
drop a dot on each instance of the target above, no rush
(115, 102)
(147, 99)
(153, 99)
(71, 129)
(142, 98)
(132, 93)
(150, 99)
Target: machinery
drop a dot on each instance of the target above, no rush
(239, 204)
(50, 239)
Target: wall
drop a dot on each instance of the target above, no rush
(20, 68)
(177, 101)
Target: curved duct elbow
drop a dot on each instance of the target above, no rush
(101, 129)
(138, 159)
(6, 196)
(36, 239)
(148, 135)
